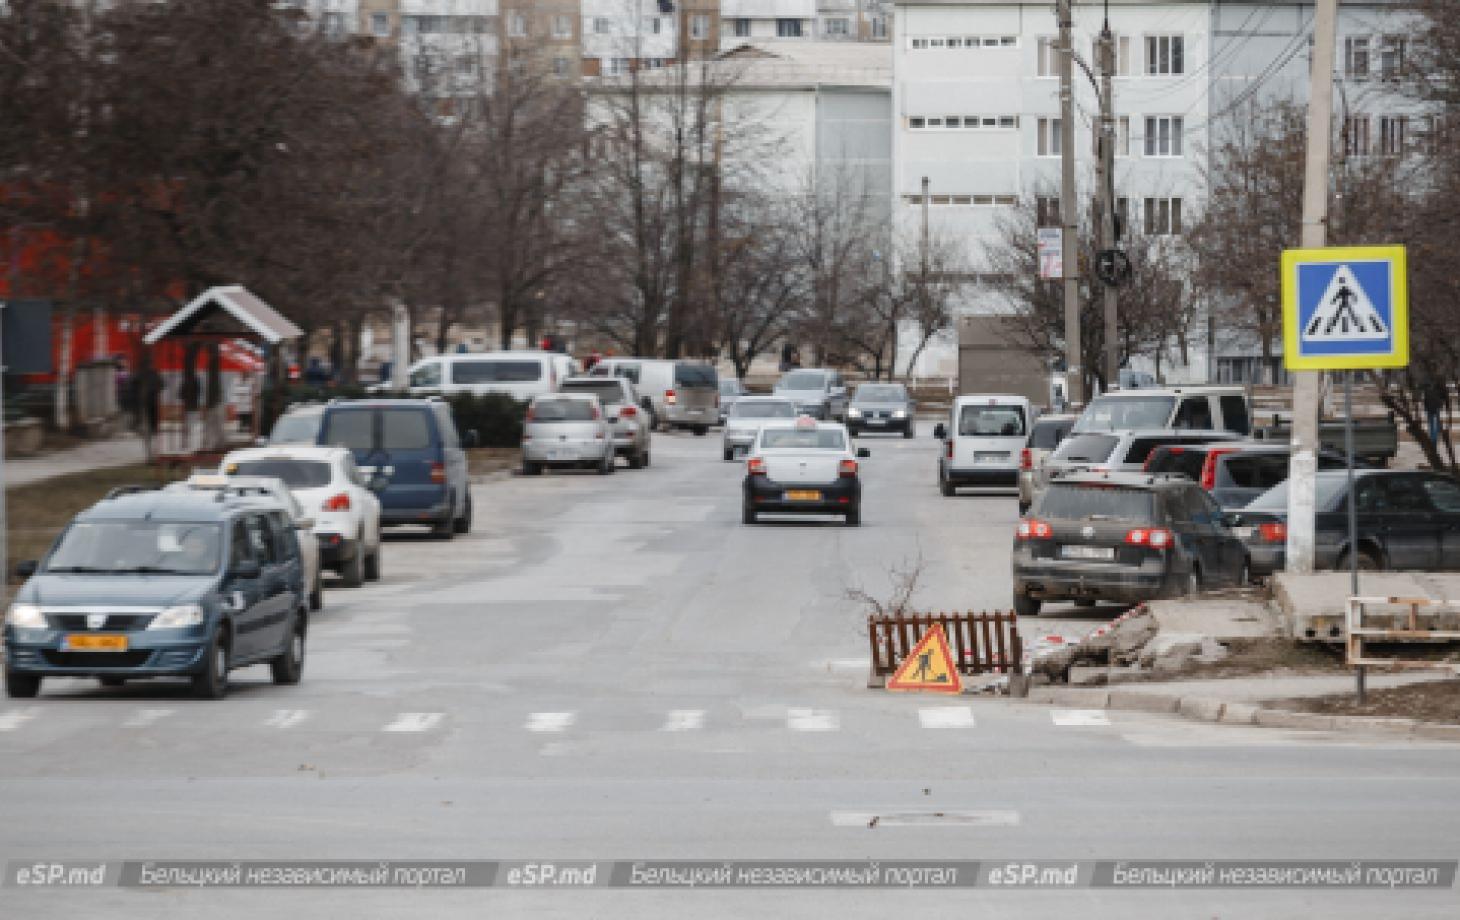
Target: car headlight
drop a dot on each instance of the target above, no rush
(178, 617)
(854, 412)
(899, 413)
(25, 616)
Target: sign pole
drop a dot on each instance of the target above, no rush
(1069, 208)
(1353, 509)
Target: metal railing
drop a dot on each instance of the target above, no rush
(981, 643)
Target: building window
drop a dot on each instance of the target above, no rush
(600, 25)
(517, 25)
(742, 27)
(699, 26)
(380, 25)
(617, 67)
(1391, 57)
(1356, 135)
(1165, 55)
(466, 66)
(1049, 137)
(879, 27)
(1122, 55)
(562, 26)
(653, 24)
(838, 26)
(788, 28)
(1047, 212)
(1393, 135)
(332, 23)
(1122, 137)
(1163, 216)
(1163, 136)
(1356, 58)
(561, 67)
(1048, 57)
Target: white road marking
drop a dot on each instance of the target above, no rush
(1069, 717)
(946, 717)
(684, 720)
(145, 717)
(896, 818)
(812, 720)
(550, 721)
(286, 718)
(414, 722)
(10, 721)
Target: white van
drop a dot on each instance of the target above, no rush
(681, 393)
(522, 375)
(982, 440)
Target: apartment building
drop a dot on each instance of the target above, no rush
(546, 33)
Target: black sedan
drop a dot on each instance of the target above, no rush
(1407, 520)
(882, 407)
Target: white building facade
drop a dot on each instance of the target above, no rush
(619, 34)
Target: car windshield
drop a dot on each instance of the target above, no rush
(609, 392)
(802, 439)
(743, 409)
(1097, 502)
(691, 376)
(298, 428)
(562, 410)
(1330, 492)
(496, 371)
(352, 428)
(404, 429)
(147, 547)
(296, 474)
(991, 422)
(1047, 435)
(884, 392)
(1116, 413)
(802, 380)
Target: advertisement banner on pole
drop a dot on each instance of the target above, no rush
(1051, 253)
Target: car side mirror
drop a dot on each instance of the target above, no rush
(26, 569)
(940, 431)
(471, 439)
(247, 569)
(863, 453)
(378, 482)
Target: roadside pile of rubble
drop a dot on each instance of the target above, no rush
(1128, 647)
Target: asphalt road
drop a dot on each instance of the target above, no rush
(615, 668)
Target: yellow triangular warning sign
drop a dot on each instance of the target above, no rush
(929, 666)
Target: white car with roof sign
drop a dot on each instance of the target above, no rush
(802, 466)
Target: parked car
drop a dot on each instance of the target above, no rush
(567, 431)
(628, 422)
(156, 583)
(1203, 408)
(680, 394)
(747, 416)
(1376, 440)
(982, 440)
(803, 466)
(1116, 451)
(1235, 472)
(817, 392)
(1044, 436)
(1407, 520)
(519, 374)
(298, 425)
(337, 497)
(731, 389)
(1122, 537)
(414, 444)
(882, 407)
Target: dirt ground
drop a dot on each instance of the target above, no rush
(1270, 656)
(1432, 701)
(483, 460)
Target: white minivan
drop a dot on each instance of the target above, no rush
(982, 440)
(522, 375)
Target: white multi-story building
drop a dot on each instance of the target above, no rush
(759, 21)
(619, 34)
(448, 48)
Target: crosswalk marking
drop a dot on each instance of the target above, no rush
(812, 720)
(414, 722)
(10, 721)
(550, 721)
(143, 718)
(1068, 717)
(286, 718)
(684, 720)
(946, 717)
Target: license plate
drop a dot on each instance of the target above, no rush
(876, 421)
(990, 458)
(803, 495)
(89, 643)
(1087, 552)
(1243, 533)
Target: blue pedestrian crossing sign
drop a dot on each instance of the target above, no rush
(1345, 308)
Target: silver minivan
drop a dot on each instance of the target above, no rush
(628, 422)
(566, 430)
(982, 440)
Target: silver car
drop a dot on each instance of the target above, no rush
(746, 418)
(566, 430)
(731, 389)
(628, 420)
(882, 407)
(817, 392)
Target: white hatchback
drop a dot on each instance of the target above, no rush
(982, 441)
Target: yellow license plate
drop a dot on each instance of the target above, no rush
(803, 495)
(84, 642)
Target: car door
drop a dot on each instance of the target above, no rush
(1227, 549)
(452, 455)
(1190, 532)
(1444, 494)
(276, 593)
(290, 560)
(245, 596)
(1407, 522)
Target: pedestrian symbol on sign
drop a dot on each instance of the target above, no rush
(1345, 313)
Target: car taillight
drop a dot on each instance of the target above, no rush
(530, 414)
(847, 468)
(1033, 529)
(438, 473)
(1274, 533)
(628, 412)
(1026, 459)
(669, 397)
(1209, 467)
(950, 449)
(755, 466)
(339, 502)
(1170, 451)
(1154, 537)
(596, 414)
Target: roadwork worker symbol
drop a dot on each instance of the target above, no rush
(929, 667)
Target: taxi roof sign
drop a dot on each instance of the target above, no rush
(1345, 308)
(929, 667)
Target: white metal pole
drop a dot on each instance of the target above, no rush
(1069, 208)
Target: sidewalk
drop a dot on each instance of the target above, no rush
(123, 450)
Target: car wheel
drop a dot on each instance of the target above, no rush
(531, 469)
(854, 432)
(112, 682)
(854, 517)
(605, 464)
(747, 513)
(372, 563)
(729, 455)
(1023, 508)
(442, 530)
(946, 487)
(289, 666)
(22, 686)
(645, 461)
(353, 572)
(636, 461)
(701, 430)
(212, 682)
(1193, 582)
(316, 593)
(463, 523)
(907, 432)
(1026, 605)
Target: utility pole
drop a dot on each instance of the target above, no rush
(1069, 209)
(1304, 463)
(1106, 170)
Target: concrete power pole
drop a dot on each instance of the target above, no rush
(1107, 195)
(1069, 209)
(1304, 463)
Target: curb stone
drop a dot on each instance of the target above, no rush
(1240, 713)
(1283, 718)
(1206, 710)
(1082, 699)
(1143, 702)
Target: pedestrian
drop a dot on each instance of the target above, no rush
(1436, 398)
